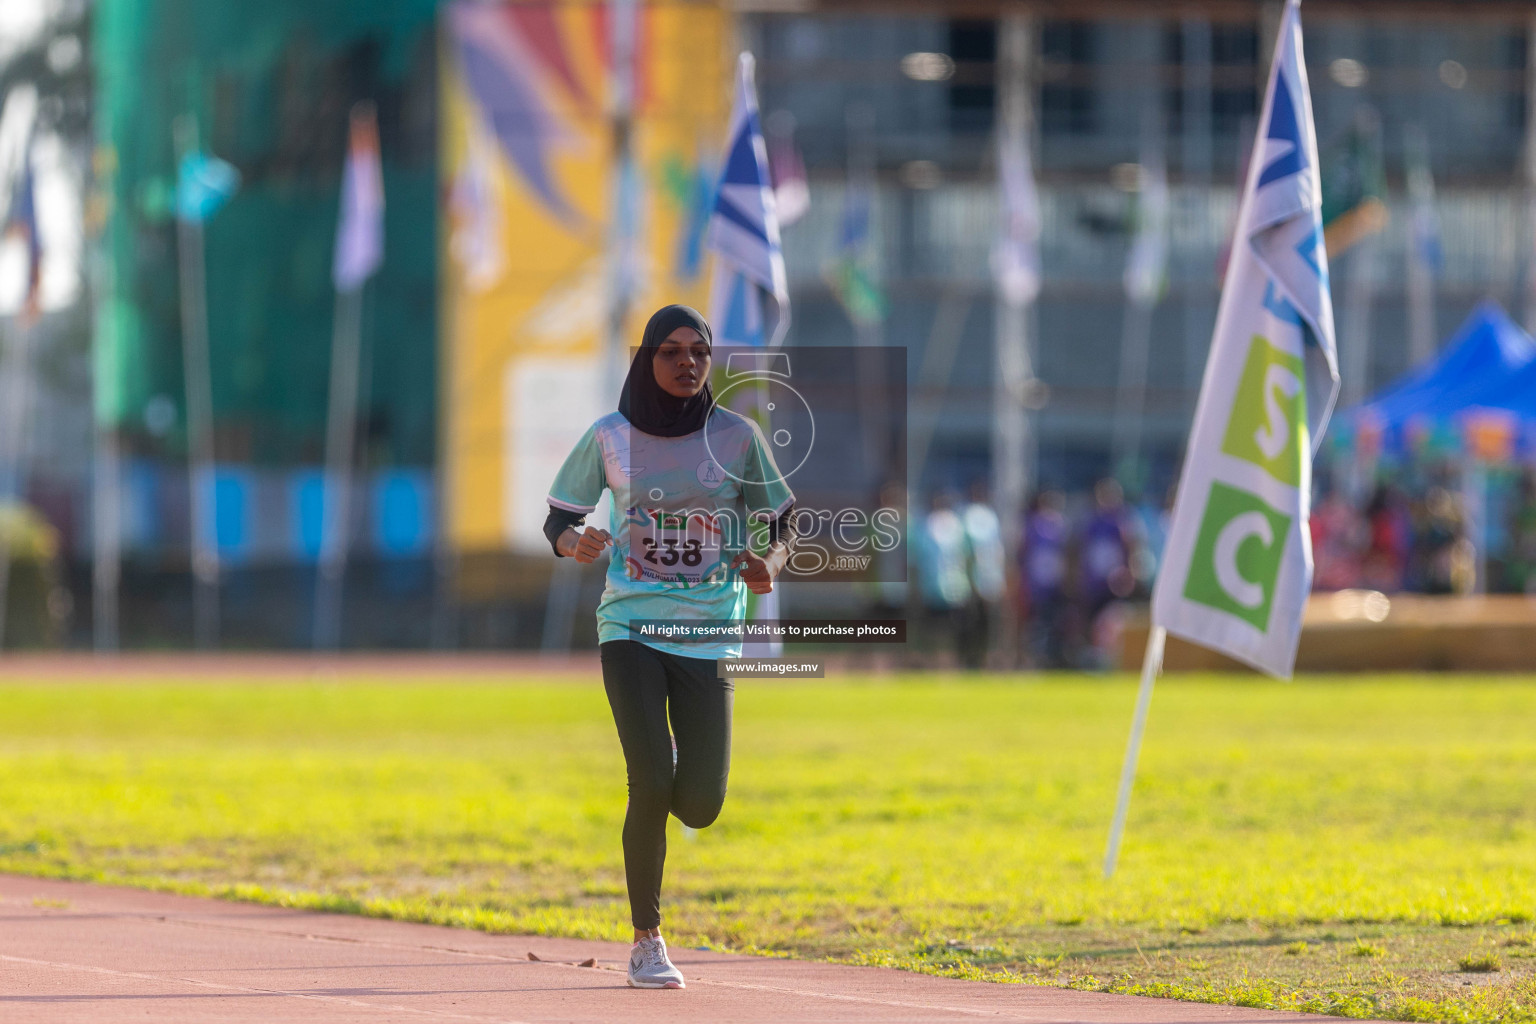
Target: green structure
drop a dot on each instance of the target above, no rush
(269, 85)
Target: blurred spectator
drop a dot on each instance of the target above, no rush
(1043, 579)
(1107, 546)
(887, 585)
(1075, 572)
(1389, 524)
(1152, 521)
(986, 563)
(885, 589)
(1520, 565)
(1108, 549)
(1446, 556)
(943, 579)
(1339, 537)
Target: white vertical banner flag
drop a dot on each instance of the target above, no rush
(360, 229)
(1016, 252)
(1146, 265)
(1238, 565)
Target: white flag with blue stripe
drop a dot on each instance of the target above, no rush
(1238, 566)
(744, 231)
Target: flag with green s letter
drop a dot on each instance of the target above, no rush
(1238, 566)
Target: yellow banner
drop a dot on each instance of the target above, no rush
(533, 193)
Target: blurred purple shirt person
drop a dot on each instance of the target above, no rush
(1043, 579)
(1107, 550)
(1043, 558)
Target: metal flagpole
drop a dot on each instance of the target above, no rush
(1359, 302)
(938, 362)
(1360, 291)
(445, 610)
(340, 442)
(445, 620)
(1145, 271)
(1012, 448)
(13, 454)
(1199, 313)
(198, 381)
(1130, 408)
(1151, 665)
(1421, 280)
(444, 627)
(868, 328)
(359, 253)
(106, 487)
(445, 617)
(106, 514)
(1421, 309)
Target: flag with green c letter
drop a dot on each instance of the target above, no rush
(1237, 555)
(1238, 565)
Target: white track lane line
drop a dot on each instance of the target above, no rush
(741, 985)
(997, 1014)
(248, 990)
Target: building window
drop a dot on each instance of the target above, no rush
(1234, 76)
(1067, 102)
(973, 90)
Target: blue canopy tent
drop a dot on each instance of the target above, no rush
(1513, 393)
(1489, 365)
(1474, 404)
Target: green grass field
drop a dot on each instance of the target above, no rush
(1365, 847)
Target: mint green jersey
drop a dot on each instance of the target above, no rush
(682, 507)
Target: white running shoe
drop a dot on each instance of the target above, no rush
(649, 966)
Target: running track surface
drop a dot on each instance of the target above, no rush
(71, 951)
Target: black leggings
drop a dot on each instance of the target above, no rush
(645, 688)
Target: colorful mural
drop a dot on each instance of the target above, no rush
(534, 197)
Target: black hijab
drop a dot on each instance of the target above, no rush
(643, 402)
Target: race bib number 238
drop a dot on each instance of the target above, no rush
(672, 547)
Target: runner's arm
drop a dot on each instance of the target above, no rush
(759, 571)
(572, 497)
(556, 523)
(561, 527)
(768, 495)
(781, 539)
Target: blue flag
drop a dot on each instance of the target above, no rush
(21, 219)
(744, 231)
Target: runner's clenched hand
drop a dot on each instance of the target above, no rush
(756, 572)
(590, 543)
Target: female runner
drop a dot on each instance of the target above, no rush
(686, 477)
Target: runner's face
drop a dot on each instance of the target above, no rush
(681, 363)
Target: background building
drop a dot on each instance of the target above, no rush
(924, 79)
(899, 100)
